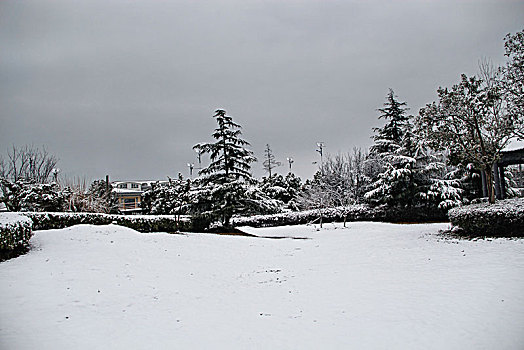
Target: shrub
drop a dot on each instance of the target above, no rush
(15, 232)
(25, 195)
(503, 219)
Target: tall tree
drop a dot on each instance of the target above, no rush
(389, 137)
(224, 183)
(230, 159)
(270, 161)
(393, 155)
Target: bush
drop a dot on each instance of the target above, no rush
(25, 195)
(502, 219)
(15, 232)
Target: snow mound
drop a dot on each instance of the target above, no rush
(366, 286)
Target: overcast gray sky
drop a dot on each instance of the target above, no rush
(126, 88)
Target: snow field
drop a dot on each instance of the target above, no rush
(367, 286)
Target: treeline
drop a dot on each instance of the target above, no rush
(429, 161)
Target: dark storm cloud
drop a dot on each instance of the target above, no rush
(127, 87)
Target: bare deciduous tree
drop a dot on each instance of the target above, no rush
(341, 181)
(270, 162)
(28, 163)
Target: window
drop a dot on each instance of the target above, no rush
(129, 203)
(134, 185)
(122, 186)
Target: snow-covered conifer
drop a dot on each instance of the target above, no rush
(393, 152)
(225, 185)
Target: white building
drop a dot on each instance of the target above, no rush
(129, 194)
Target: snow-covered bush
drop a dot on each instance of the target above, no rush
(167, 197)
(141, 223)
(15, 232)
(504, 218)
(29, 196)
(282, 189)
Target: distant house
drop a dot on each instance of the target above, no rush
(129, 195)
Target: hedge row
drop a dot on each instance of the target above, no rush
(502, 219)
(15, 232)
(141, 223)
(358, 212)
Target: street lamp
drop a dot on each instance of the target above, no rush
(199, 157)
(290, 161)
(320, 150)
(191, 167)
(55, 173)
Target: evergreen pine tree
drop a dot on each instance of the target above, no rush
(389, 137)
(411, 172)
(230, 159)
(224, 185)
(393, 152)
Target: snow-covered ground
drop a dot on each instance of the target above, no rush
(368, 286)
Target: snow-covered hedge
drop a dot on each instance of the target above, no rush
(504, 218)
(141, 223)
(15, 231)
(357, 212)
(360, 212)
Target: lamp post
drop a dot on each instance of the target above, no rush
(191, 167)
(290, 161)
(55, 173)
(320, 150)
(199, 157)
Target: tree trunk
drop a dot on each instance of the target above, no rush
(484, 186)
(489, 184)
(498, 192)
(502, 178)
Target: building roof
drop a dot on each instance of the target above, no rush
(514, 145)
(149, 182)
(127, 191)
